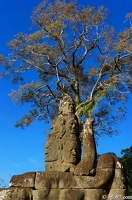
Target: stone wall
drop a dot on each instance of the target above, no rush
(66, 185)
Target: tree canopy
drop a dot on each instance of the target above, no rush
(126, 160)
(71, 51)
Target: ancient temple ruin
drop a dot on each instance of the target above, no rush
(67, 175)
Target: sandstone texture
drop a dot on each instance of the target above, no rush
(67, 176)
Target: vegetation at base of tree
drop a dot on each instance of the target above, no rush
(126, 160)
(71, 51)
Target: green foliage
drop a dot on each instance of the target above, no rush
(126, 160)
(86, 109)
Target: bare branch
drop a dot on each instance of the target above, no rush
(124, 56)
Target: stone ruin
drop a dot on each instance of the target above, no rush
(67, 175)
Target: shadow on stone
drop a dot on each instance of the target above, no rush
(67, 176)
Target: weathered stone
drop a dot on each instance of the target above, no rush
(72, 194)
(3, 193)
(54, 180)
(71, 150)
(66, 177)
(63, 146)
(68, 194)
(119, 180)
(107, 161)
(87, 165)
(57, 194)
(61, 180)
(93, 194)
(102, 180)
(23, 180)
(109, 172)
(16, 193)
(52, 146)
(117, 194)
(40, 194)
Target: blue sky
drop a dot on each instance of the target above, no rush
(21, 150)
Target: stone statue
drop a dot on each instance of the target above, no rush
(107, 183)
(87, 165)
(70, 153)
(67, 176)
(63, 146)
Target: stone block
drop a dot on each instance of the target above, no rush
(58, 194)
(47, 180)
(69, 194)
(54, 180)
(117, 194)
(101, 181)
(94, 194)
(106, 161)
(85, 182)
(73, 194)
(40, 194)
(16, 193)
(119, 180)
(104, 178)
(3, 193)
(23, 180)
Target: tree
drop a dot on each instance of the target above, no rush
(126, 160)
(71, 51)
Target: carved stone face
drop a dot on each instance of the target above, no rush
(71, 151)
(66, 105)
(51, 150)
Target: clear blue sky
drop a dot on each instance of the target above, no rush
(22, 150)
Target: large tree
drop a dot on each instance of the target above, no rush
(71, 51)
